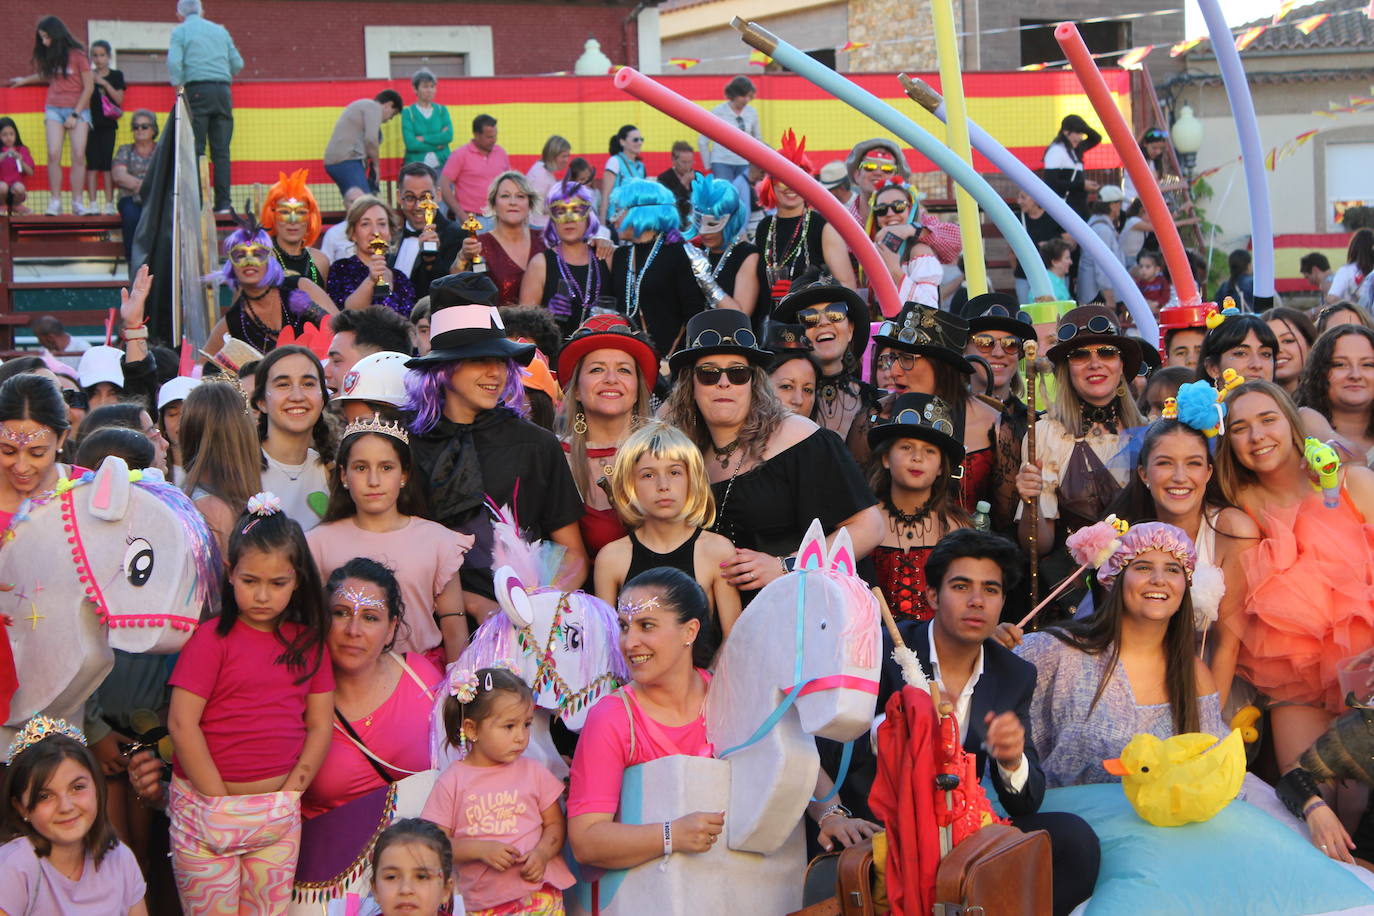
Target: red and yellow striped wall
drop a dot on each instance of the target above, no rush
(1289, 250)
(279, 126)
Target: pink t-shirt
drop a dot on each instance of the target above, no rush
(254, 718)
(424, 555)
(29, 884)
(603, 751)
(10, 170)
(64, 89)
(503, 803)
(472, 171)
(397, 732)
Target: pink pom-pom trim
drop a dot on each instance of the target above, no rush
(1094, 545)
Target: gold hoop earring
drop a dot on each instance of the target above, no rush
(1121, 390)
(580, 423)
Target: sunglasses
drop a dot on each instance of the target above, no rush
(884, 209)
(906, 360)
(142, 126)
(1098, 324)
(834, 313)
(986, 343)
(878, 167)
(246, 254)
(737, 375)
(1083, 354)
(713, 338)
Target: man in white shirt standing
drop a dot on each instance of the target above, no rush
(736, 111)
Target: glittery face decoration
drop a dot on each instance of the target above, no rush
(246, 255)
(568, 211)
(630, 609)
(23, 439)
(359, 600)
(292, 210)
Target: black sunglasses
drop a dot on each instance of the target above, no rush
(710, 375)
(835, 312)
(142, 126)
(883, 209)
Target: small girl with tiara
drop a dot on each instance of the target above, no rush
(500, 808)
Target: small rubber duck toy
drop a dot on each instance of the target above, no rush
(1180, 780)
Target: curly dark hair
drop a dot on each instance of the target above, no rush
(1314, 388)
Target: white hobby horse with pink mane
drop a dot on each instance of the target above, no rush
(115, 559)
(801, 661)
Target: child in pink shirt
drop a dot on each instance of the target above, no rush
(16, 162)
(500, 809)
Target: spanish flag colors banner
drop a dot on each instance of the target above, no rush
(281, 126)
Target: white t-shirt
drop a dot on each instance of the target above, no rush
(297, 486)
(1057, 156)
(1344, 282)
(335, 243)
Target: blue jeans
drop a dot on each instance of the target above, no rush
(737, 175)
(351, 173)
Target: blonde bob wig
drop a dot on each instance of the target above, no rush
(666, 443)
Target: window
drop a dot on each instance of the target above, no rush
(1038, 45)
(144, 66)
(443, 66)
(1349, 181)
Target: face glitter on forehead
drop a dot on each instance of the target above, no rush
(358, 599)
(22, 439)
(631, 609)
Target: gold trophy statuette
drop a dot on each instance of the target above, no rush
(428, 205)
(377, 245)
(478, 264)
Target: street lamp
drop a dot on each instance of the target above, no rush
(1187, 138)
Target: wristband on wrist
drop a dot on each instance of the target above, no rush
(832, 810)
(1311, 806)
(667, 844)
(138, 333)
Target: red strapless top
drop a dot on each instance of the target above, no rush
(902, 577)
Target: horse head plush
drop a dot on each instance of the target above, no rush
(112, 559)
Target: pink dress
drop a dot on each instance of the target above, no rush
(1311, 601)
(424, 555)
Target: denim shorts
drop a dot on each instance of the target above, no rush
(60, 115)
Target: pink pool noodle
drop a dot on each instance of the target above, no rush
(1180, 271)
(774, 163)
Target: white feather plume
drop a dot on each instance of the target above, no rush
(911, 668)
(1209, 586)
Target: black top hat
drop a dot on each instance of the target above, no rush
(997, 312)
(718, 331)
(815, 287)
(1095, 324)
(925, 417)
(465, 324)
(927, 332)
(784, 338)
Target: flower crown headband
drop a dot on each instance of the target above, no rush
(463, 684)
(38, 728)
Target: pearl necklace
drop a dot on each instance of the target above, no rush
(634, 280)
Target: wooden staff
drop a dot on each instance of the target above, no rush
(1032, 348)
(905, 656)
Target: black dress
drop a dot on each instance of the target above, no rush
(517, 465)
(576, 298)
(667, 293)
(729, 271)
(784, 251)
(769, 507)
(242, 324)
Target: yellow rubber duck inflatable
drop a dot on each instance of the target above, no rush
(1180, 780)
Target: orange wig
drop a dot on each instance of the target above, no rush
(794, 151)
(292, 188)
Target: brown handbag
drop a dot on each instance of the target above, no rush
(849, 874)
(998, 871)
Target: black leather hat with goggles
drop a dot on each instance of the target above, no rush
(997, 312)
(1094, 325)
(719, 332)
(811, 293)
(924, 417)
(927, 332)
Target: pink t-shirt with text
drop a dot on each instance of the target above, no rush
(397, 731)
(254, 718)
(504, 804)
(472, 171)
(424, 555)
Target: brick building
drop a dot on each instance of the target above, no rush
(352, 39)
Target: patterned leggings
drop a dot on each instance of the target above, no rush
(234, 855)
(547, 901)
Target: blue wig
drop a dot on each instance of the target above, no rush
(273, 275)
(716, 197)
(647, 207)
(565, 192)
(427, 386)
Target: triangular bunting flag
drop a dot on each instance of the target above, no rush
(1030, 67)
(1133, 57)
(1247, 38)
(853, 46)
(1309, 25)
(1284, 9)
(1183, 47)
(685, 63)
(759, 59)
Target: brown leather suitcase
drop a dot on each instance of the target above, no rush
(998, 871)
(847, 879)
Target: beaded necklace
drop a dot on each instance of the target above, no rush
(311, 272)
(798, 242)
(593, 281)
(633, 280)
(725, 256)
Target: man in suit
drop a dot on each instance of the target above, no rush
(968, 574)
(415, 185)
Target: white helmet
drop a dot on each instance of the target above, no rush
(377, 377)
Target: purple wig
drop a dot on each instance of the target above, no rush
(426, 387)
(566, 192)
(273, 275)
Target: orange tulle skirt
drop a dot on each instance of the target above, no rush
(1310, 604)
